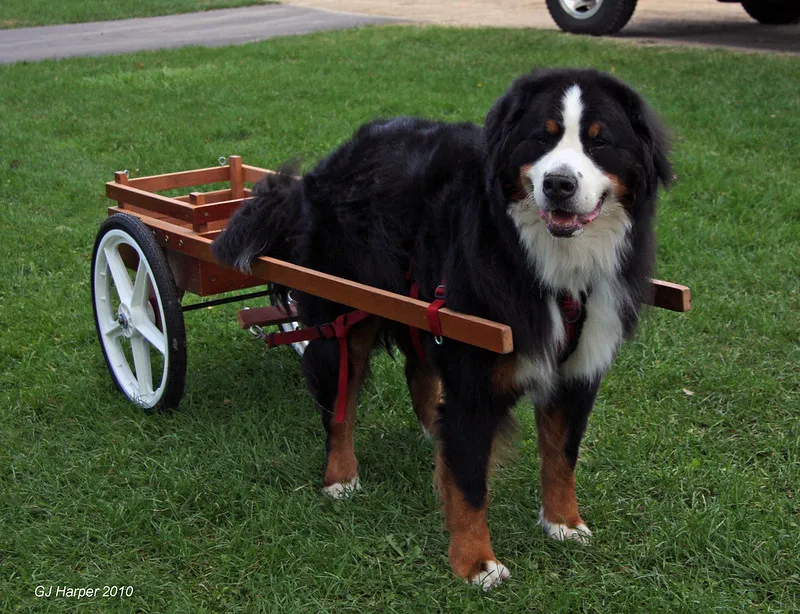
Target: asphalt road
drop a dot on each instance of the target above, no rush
(211, 29)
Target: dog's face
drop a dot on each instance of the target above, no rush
(573, 150)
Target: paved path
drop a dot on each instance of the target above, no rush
(212, 28)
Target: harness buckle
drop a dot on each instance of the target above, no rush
(440, 291)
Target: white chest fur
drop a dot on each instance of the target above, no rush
(601, 334)
(600, 338)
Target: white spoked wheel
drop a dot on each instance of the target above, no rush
(137, 314)
(300, 346)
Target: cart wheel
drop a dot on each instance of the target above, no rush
(300, 346)
(596, 17)
(138, 314)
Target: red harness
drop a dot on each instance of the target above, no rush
(571, 313)
(338, 329)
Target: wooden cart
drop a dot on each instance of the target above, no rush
(154, 248)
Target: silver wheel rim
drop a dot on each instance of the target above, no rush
(126, 320)
(581, 9)
(287, 327)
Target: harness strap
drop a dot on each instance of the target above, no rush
(338, 329)
(572, 315)
(432, 312)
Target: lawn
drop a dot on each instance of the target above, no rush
(26, 13)
(690, 469)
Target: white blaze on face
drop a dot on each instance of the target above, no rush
(569, 156)
(595, 249)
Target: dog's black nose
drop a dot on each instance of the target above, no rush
(559, 186)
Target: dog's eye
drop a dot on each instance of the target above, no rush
(598, 143)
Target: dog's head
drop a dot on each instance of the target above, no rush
(569, 148)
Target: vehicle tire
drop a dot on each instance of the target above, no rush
(773, 12)
(137, 314)
(595, 17)
(286, 327)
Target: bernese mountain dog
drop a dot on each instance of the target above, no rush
(541, 219)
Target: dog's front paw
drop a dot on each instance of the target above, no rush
(342, 490)
(493, 574)
(563, 532)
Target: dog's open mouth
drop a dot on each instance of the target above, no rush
(567, 224)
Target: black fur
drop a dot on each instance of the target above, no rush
(434, 195)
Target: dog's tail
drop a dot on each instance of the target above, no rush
(271, 223)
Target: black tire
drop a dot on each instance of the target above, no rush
(150, 319)
(773, 12)
(603, 18)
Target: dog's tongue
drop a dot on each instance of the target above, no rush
(562, 223)
(562, 218)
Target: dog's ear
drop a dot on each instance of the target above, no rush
(650, 131)
(501, 122)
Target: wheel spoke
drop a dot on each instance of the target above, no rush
(119, 274)
(141, 288)
(142, 366)
(111, 330)
(153, 335)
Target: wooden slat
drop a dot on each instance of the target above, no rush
(164, 217)
(121, 177)
(671, 296)
(236, 176)
(197, 198)
(266, 316)
(406, 310)
(253, 173)
(205, 213)
(214, 196)
(148, 201)
(184, 179)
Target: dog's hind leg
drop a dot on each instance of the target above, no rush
(559, 428)
(425, 387)
(321, 368)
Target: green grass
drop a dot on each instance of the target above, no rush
(27, 13)
(216, 507)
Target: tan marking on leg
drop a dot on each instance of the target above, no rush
(341, 466)
(470, 546)
(504, 375)
(559, 502)
(425, 387)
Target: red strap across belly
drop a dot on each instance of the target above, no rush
(338, 329)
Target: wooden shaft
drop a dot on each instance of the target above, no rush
(670, 296)
(404, 309)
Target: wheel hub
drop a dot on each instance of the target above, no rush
(124, 321)
(581, 9)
